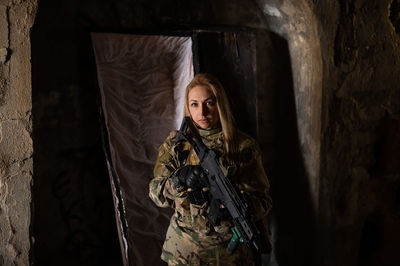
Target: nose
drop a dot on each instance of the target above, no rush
(204, 110)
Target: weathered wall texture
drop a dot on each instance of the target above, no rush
(296, 22)
(16, 19)
(357, 184)
(360, 178)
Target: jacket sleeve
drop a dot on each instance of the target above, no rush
(253, 181)
(161, 189)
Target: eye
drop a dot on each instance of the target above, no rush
(193, 104)
(210, 103)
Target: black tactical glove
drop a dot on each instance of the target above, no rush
(196, 178)
(191, 176)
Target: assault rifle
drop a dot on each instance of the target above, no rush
(222, 191)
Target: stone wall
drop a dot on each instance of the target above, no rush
(360, 177)
(16, 19)
(353, 47)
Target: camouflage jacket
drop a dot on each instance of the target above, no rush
(190, 238)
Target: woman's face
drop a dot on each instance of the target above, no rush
(203, 107)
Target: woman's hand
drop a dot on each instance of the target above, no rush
(191, 176)
(196, 178)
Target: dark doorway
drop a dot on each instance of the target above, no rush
(140, 77)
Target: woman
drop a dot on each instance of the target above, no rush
(191, 239)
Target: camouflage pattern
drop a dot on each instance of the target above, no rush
(191, 239)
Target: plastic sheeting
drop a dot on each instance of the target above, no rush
(142, 79)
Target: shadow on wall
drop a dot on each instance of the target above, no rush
(73, 221)
(292, 217)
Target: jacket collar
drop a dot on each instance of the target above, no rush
(206, 133)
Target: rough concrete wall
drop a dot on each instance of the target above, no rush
(360, 184)
(16, 19)
(296, 22)
(295, 183)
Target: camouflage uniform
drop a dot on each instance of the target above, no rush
(190, 239)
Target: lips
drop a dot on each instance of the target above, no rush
(203, 122)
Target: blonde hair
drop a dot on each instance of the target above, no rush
(225, 115)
